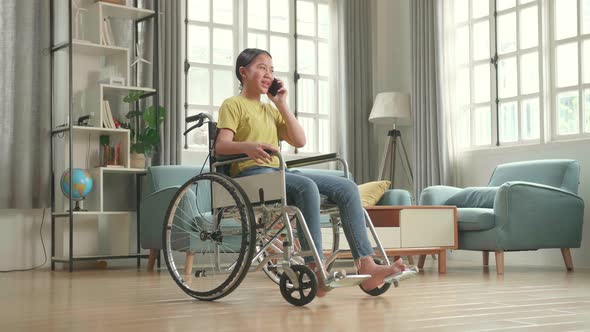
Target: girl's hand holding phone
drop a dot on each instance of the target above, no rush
(277, 92)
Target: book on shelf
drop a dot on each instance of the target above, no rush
(110, 113)
(107, 36)
(103, 114)
(107, 116)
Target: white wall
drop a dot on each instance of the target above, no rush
(20, 245)
(392, 72)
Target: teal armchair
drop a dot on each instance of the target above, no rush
(164, 181)
(526, 206)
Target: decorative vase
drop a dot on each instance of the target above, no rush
(137, 160)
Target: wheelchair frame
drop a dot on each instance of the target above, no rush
(295, 276)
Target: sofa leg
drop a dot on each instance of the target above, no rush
(421, 261)
(442, 261)
(486, 258)
(500, 262)
(411, 260)
(567, 258)
(188, 264)
(152, 259)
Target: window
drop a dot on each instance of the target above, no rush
(473, 85)
(570, 43)
(212, 42)
(502, 99)
(519, 70)
(313, 97)
(217, 30)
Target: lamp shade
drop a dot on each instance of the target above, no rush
(391, 108)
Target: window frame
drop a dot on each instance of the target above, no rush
(470, 65)
(520, 97)
(579, 39)
(548, 107)
(317, 116)
(191, 109)
(241, 31)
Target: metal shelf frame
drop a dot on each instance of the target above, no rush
(70, 215)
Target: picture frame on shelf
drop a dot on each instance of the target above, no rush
(113, 80)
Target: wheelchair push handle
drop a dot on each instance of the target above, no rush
(199, 118)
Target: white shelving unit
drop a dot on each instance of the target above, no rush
(92, 49)
(79, 70)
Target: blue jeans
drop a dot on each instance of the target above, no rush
(303, 191)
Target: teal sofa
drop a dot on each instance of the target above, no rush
(163, 182)
(526, 206)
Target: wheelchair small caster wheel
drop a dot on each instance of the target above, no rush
(380, 289)
(339, 275)
(308, 286)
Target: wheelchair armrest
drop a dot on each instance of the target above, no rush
(324, 158)
(230, 157)
(311, 160)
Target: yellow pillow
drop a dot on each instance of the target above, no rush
(371, 192)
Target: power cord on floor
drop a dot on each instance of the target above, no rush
(44, 251)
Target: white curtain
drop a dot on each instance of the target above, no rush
(25, 168)
(337, 79)
(452, 133)
(352, 91)
(170, 76)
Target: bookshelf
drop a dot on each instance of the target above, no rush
(93, 44)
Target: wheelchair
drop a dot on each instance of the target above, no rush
(219, 228)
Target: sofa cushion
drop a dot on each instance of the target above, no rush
(474, 197)
(371, 192)
(160, 177)
(475, 219)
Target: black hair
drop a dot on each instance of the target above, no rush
(246, 57)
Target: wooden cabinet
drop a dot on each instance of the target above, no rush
(411, 230)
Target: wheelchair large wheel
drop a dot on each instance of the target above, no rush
(209, 251)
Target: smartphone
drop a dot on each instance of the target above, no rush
(274, 87)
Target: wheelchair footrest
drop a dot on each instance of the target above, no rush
(405, 274)
(347, 280)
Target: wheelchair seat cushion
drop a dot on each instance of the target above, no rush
(372, 192)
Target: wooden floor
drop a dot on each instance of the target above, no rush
(467, 298)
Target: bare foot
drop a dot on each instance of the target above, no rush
(322, 290)
(378, 272)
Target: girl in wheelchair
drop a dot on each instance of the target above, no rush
(248, 126)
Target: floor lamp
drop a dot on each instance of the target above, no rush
(393, 108)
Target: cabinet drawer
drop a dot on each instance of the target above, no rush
(389, 237)
(427, 228)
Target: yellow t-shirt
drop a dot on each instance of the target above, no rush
(252, 121)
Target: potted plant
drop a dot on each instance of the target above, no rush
(143, 125)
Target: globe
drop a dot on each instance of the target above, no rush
(81, 184)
